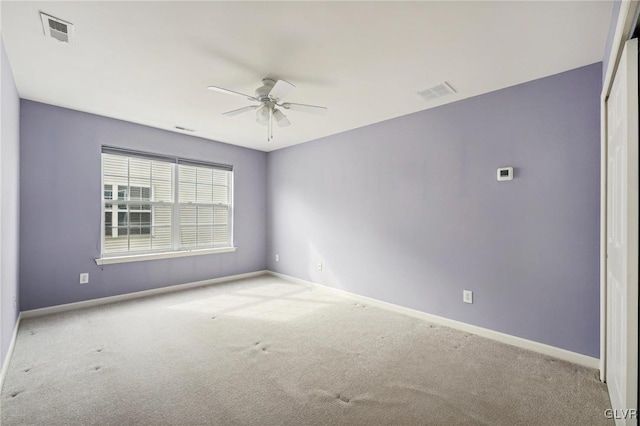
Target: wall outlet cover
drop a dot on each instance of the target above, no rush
(84, 278)
(467, 296)
(505, 173)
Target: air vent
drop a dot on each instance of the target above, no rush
(438, 91)
(57, 28)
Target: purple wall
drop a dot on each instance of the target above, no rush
(409, 210)
(60, 207)
(9, 201)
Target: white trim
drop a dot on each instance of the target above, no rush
(542, 348)
(102, 213)
(626, 16)
(136, 295)
(603, 240)
(7, 358)
(624, 29)
(163, 255)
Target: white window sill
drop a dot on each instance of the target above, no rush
(165, 255)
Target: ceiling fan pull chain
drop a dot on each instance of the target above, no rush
(271, 123)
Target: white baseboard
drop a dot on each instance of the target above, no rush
(7, 358)
(138, 294)
(542, 348)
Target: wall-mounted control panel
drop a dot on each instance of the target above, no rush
(505, 173)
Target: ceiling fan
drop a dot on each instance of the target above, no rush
(270, 96)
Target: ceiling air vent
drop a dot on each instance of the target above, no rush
(57, 28)
(438, 91)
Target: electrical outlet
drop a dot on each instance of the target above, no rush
(277, 258)
(320, 266)
(467, 296)
(84, 278)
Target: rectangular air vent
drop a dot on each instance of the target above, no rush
(438, 91)
(57, 28)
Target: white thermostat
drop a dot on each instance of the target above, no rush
(505, 173)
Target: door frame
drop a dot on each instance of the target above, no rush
(624, 29)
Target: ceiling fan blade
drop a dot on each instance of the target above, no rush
(281, 89)
(305, 108)
(231, 92)
(240, 110)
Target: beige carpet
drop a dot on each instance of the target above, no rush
(264, 351)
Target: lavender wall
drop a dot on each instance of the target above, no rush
(60, 207)
(409, 210)
(9, 201)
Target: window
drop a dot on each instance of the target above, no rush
(153, 204)
(138, 215)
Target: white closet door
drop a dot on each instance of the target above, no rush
(622, 238)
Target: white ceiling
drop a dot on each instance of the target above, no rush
(150, 62)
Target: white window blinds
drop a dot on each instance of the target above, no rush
(153, 203)
(205, 206)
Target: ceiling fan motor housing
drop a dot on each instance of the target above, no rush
(263, 91)
(263, 114)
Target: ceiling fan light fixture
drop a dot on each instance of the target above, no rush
(281, 119)
(262, 115)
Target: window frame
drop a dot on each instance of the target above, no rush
(177, 250)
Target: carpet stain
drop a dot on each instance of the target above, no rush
(16, 393)
(343, 399)
(259, 347)
(97, 368)
(26, 370)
